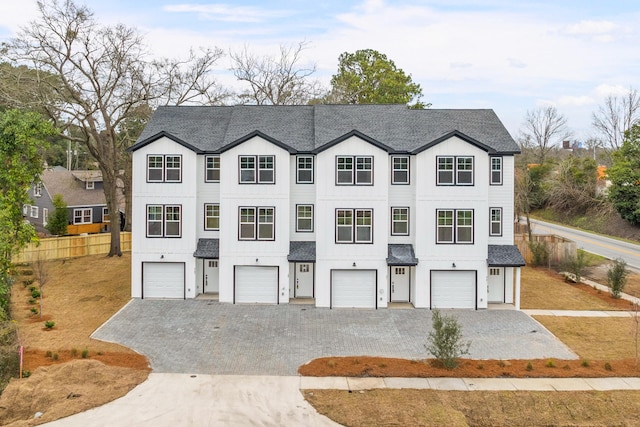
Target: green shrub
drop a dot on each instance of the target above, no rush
(55, 356)
(35, 294)
(27, 282)
(529, 366)
(617, 277)
(26, 373)
(27, 272)
(33, 288)
(32, 301)
(608, 367)
(585, 363)
(85, 353)
(49, 324)
(550, 364)
(576, 264)
(445, 341)
(34, 310)
(74, 352)
(48, 354)
(539, 253)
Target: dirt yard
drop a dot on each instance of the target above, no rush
(69, 371)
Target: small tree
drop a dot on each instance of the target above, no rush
(41, 271)
(635, 317)
(575, 264)
(617, 277)
(59, 219)
(445, 341)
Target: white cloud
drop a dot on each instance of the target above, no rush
(578, 101)
(227, 13)
(516, 63)
(461, 65)
(16, 14)
(605, 90)
(591, 27)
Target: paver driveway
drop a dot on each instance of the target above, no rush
(207, 337)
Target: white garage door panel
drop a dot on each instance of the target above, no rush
(256, 285)
(163, 280)
(353, 288)
(453, 289)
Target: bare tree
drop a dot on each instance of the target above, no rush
(41, 271)
(616, 116)
(542, 129)
(275, 80)
(104, 75)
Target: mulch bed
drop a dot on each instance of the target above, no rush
(35, 358)
(615, 303)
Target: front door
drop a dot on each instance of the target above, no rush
(496, 284)
(400, 284)
(304, 280)
(211, 276)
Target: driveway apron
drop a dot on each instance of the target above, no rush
(208, 337)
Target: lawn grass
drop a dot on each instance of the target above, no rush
(431, 408)
(544, 289)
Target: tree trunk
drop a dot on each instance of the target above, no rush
(111, 194)
(126, 189)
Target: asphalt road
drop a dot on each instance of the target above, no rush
(594, 243)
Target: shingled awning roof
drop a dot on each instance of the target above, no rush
(208, 248)
(504, 256)
(401, 255)
(302, 252)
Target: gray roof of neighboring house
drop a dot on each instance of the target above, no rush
(401, 254)
(311, 128)
(302, 252)
(73, 191)
(504, 256)
(207, 248)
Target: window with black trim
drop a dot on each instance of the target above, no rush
(304, 171)
(400, 170)
(304, 218)
(211, 216)
(496, 171)
(354, 225)
(164, 168)
(257, 169)
(362, 174)
(399, 221)
(257, 223)
(212, 169)
(164, 220)
(454, 170)
(495, 221)
(82, 216)
(454, 226)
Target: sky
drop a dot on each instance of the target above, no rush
(508, 55)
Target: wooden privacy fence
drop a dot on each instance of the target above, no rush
(559, 248)
(71, 246)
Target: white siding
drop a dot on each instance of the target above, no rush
(301, 194)
(502, 196)
(403, 196)
(207, 192)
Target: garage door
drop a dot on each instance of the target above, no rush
(353, 288)
(163, 280)
(453, 289)
(256, 285)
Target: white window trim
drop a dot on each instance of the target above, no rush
(89, 185)
(82, 215)
(45, 217)
(298, 218)
(105, 213)
(212, 168)
(394, 170)
(207, 217)
(492, 222)
(37, 190)
(298, 169)
(394, 221)
(34, 212)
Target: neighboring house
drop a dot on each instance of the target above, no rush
(83, 193)
(348, 205)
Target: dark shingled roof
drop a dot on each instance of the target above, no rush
(63, 182)
(308, 128)
(208, 248)
(401, 255)
(302, 252)
(505, 256)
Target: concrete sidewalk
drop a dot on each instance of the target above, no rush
(606, 289)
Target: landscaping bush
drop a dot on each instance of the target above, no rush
(539, 253)
(445, 341)
(9, 358)
(617, 277)
(49, 324)
(575, 264)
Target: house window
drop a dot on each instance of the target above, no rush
(399, 221)
(304, 170)
(453, 170)
(494, 272)
(164, 220)
(363, 170)
(164, 168)
(34, 212)
(25, 210)
(82, 216)
(348, 231)
(37, 190)
(211, 216)
(454, 226)
(45, 216)
(257, 223)
(304, 218)
(495, 226)
(257, 169)
(212, 173)
(105, 215)
(400, 170)
(496, 171)
(89, 185)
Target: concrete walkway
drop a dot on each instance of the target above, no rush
(606, 289)
(232, 400)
